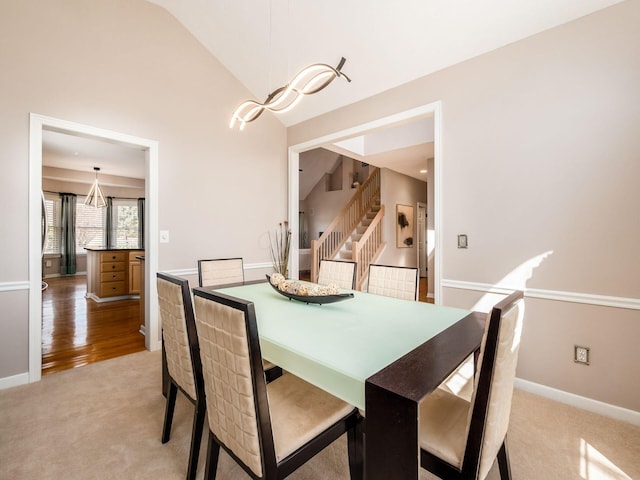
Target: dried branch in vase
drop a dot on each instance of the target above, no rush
(280, 243)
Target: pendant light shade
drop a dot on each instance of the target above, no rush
(95, 196)
(307, 81)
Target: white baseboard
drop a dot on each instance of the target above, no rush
(584, 403)
(14, 380)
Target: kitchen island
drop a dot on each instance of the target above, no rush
(113, 274)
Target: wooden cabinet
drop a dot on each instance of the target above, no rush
(113, 274)
(134, 272)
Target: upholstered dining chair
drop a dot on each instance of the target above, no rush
(182, 357)
(220, 271)
(338, 272)
(461, 439)
(390, 281)
(268, 429)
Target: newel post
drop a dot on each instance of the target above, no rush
(314, 260)
(355, 253)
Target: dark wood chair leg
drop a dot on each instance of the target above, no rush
(196, 439)
(355, 440)
(213, 451)
(503, 462)
(168, 413)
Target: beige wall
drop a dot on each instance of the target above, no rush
(128, 66)
(540, 151)
(396, 188)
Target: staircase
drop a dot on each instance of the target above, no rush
(356, 232)
(346, 252)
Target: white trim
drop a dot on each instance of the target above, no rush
(11, 286)
(561, 296)
(584, 403)
(185, 272)
(294, 151)
(14, 380)
(36, 125)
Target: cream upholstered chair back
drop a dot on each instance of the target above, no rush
(171, 309)
(220, 271)
(232, 372)
(339, 273)
(397, 282)
(493, 390)
(182, 369)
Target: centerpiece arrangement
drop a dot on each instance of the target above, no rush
(306, 292)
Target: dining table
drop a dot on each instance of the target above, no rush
(382, 355)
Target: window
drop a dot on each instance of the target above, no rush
(124, 228)
(52, 207)
(90, 226)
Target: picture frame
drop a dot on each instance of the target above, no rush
(405, 226)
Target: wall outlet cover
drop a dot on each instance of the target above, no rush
(581, 354)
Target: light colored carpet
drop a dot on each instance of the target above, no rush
(103, 421)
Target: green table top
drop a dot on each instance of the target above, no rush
(338, 346)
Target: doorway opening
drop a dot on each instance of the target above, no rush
(149, 149)
(429, 110)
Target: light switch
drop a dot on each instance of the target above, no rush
(164, 236)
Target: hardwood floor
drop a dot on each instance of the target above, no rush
(77, 331)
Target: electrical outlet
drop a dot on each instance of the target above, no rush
(47, 263)
(581, 354)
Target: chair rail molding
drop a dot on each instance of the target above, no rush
(558, 295)
(11, 286)
(185, 272)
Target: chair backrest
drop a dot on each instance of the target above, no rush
(491, 401)
(337, 272)
(398, 282)
(220, 271)
(235, 385)
(179, 335)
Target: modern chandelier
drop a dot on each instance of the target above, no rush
(307, 81)
(95, 196)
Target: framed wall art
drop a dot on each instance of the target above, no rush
(405, 229)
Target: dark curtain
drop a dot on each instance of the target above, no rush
(141, 223)
(108, 226)
(68, 234)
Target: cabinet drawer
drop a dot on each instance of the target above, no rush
(112, 256)
(112, 289)
(112, 277)
(133, 255)
(111, 267)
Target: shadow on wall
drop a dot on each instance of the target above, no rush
(514, 280)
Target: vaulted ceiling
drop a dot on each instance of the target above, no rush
(264, 43)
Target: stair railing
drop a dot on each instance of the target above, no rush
(365, 250)
(340, 229)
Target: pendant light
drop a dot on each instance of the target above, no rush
(307, 81)
(95, 196)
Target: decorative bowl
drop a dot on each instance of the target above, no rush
(318, 299)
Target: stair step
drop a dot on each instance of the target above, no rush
(355, 237)
(346, 255)
(366, 222)
(361, 230)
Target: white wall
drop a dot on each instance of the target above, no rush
(129, 66)
(396, 188)
(540, 151)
